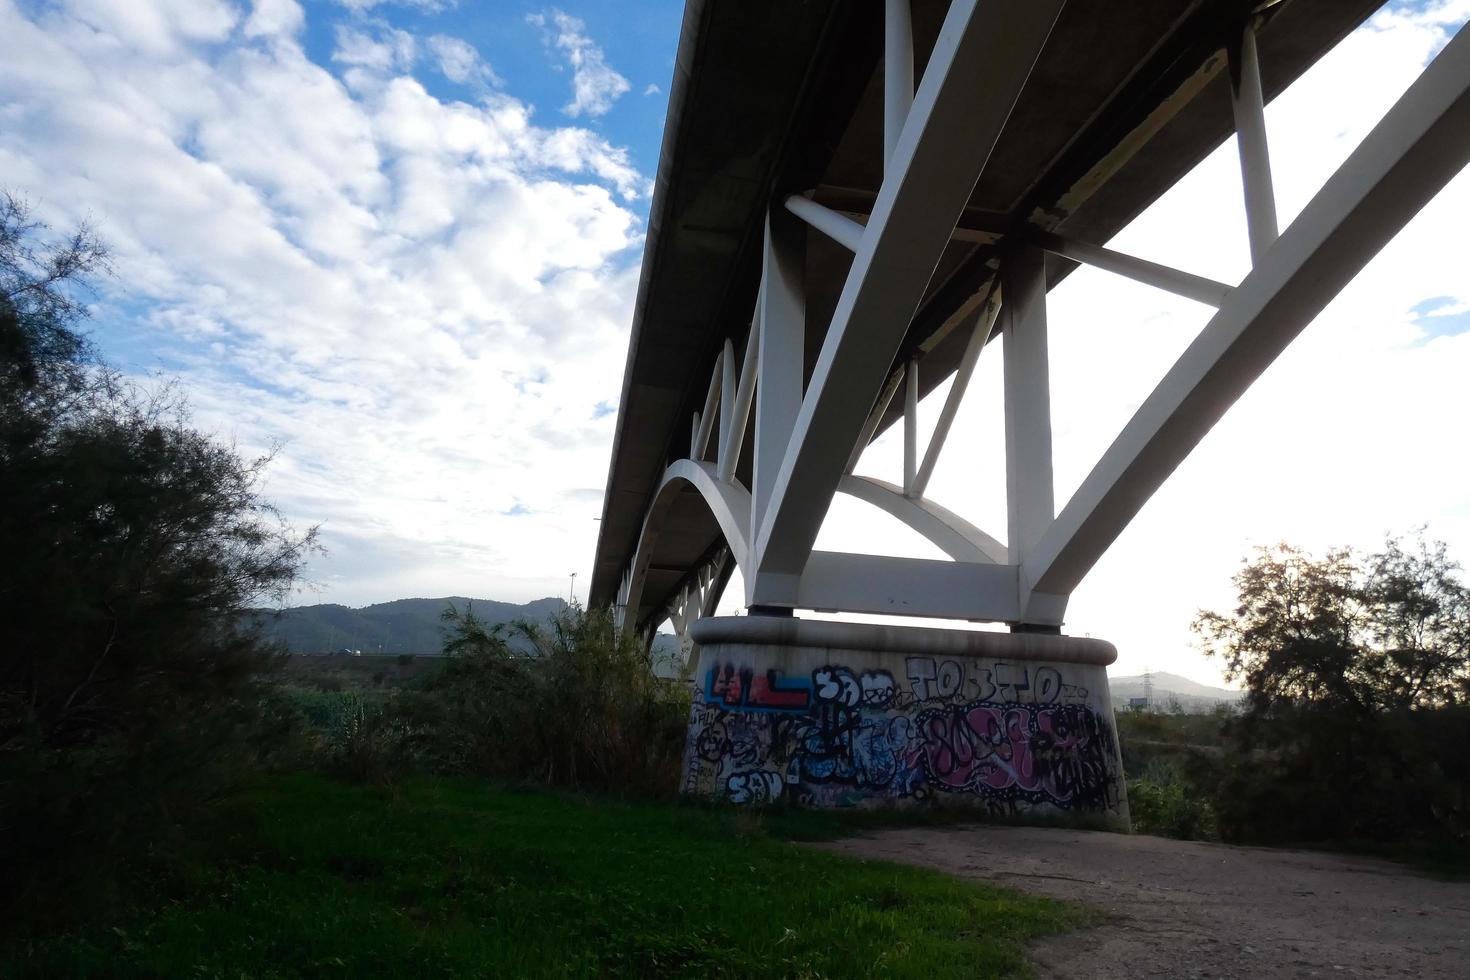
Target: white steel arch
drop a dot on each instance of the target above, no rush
(727, 500)
(943, 528)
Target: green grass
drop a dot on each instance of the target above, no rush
(301, 876)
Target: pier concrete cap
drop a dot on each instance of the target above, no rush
(918, 640)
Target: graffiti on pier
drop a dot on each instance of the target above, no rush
(742, 687)
(757, 786)
(1059, 754)
(838, 685)
(1000, 735)
(1021, 683)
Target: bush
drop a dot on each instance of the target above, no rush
(130, 690)
(581, 710)
(368, 742)
(1297, 773)
(128, 685)
(1331, 773)
(1358, 711)
(1166, 802)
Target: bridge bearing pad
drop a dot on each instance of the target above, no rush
(827, 714)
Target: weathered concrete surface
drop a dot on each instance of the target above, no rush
(852, 714)
(1184, 909)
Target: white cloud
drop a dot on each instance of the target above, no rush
(595, 85)
(386, 49)
(363, 6)
(155, 27)
(652, 89)
(426, 300)
(460, 62)
(269, 18)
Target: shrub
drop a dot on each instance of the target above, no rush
(129, 688)
(582, 709)
(1330, 773)
(369, 742)
(1166, 802)
(1358, 711)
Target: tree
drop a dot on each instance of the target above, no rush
(1377, 632)
(1419, 627)
(1358, 708)
(467, 635)
(129, 674)
(41, 283)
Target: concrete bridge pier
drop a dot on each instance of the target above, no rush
(827, 714)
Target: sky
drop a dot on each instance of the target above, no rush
(399, 241)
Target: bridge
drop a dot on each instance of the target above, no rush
(854, 200)
(852, 203)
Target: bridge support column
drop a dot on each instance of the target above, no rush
(830, 714)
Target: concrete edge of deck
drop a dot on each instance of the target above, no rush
(811, 633)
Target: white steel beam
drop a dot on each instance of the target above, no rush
(980, 61)
(719, 577)
(744, 393)
(704, 422)
(1250, 129)
(781, 355)
(908, 587)
(1185, 284)
(1418, 147)
(677, 611)
(984, 320)
(898, 73)
(941, 527)
(620, 610)
(875, 418)
(838, 227)
(727, 399)
(1030, 505)
(698, 600)
(910, 426)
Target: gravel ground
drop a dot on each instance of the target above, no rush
(1185, 909)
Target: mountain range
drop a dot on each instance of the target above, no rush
(401, 626)
(415, 626)
(1191, 695)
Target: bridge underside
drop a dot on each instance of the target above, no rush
(854, 199)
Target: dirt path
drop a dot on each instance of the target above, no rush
(1208, 910)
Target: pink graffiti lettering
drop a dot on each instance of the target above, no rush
(993, 747)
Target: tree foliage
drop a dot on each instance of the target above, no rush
(133, 543)
(1358, 708)
(1378, 632)
(41, 282)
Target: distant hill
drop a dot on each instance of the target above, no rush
(400, 626)
(1191, 695)
(410, 626)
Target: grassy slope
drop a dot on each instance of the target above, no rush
(302, 876)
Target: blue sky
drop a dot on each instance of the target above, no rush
(638, 41)
(516, 50)
(399, 241)
(396, 241)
